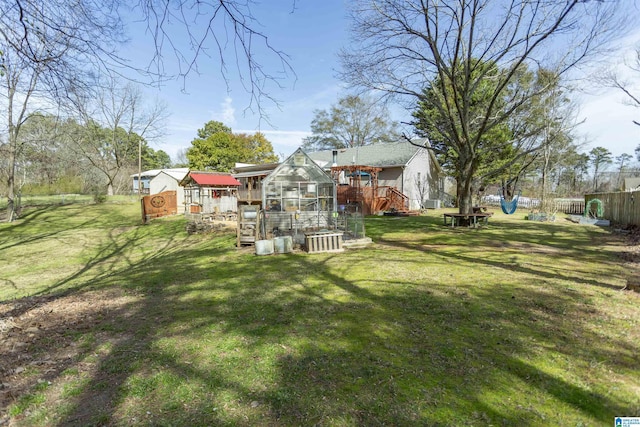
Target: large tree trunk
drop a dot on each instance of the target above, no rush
(465, 195)
(464, 184)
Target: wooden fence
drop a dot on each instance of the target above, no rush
(620, 208)
(567, 206)
(158, 205)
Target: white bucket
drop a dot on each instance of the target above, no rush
(249, 214)
(264, 247)
(283, 244)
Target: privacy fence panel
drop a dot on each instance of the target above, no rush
(619, 208)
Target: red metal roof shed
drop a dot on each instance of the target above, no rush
(214, 179)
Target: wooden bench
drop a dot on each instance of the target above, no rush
(458, 218)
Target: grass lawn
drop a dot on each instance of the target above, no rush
(104, 321)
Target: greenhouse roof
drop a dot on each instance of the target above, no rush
(299, 167)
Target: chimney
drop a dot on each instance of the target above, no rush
(335, 158)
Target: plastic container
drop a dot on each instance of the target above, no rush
(264, 247)
(283, 244)
(249, 214)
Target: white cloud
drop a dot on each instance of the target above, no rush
(227, 114)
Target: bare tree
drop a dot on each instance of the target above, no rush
(353, 122)
(614, 78)
(181, 160)
(20, 81)
(600, 158)
(91, 33)
(464, 48)
(559, 117)
(116, 124)
(224, 29)
(67, 42)
(44, 47)
(623, 163)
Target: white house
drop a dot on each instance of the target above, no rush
(410, 168)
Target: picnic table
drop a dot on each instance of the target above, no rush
(472, 218)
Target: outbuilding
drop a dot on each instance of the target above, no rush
(169, 180)
(297, 197)
(210, 192)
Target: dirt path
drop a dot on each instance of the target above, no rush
(41, 337)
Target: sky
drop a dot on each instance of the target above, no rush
(311, 33)
(311, 36)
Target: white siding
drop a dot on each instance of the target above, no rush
(219, 204)
(390, 177)
(420, 178)
(163, 182)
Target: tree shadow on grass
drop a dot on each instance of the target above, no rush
(24, 227)
(440, 338)
(215, 337)
(530, 237)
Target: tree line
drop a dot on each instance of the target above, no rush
(484, 80)
(57, 155)
(59, 55)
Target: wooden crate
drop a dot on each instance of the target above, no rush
(324, 242)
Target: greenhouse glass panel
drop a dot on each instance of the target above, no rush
(299, 195)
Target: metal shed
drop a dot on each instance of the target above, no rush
(209, 192)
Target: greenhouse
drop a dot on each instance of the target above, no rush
(298, 196)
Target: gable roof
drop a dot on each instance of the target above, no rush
(298, 167)
(177, 173)
(211, 178)
(381, 155)
(243, 171)
(173, 173)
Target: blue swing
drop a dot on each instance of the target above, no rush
(509, 208)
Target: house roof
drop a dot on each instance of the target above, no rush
(245, 170)
(177, 173)
(631, 183)
(382, 155)
(212, 178)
